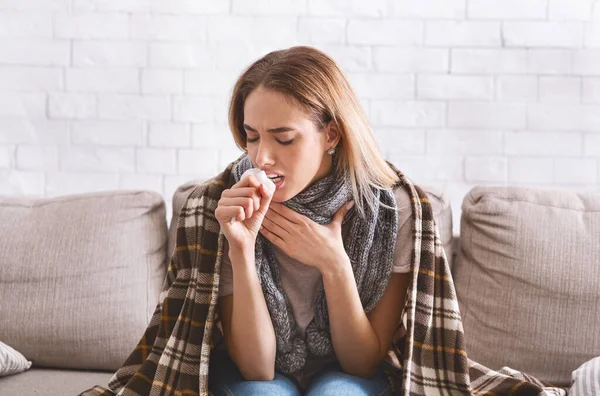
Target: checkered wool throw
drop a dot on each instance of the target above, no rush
(428, 352)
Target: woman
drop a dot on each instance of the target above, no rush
(314, 274)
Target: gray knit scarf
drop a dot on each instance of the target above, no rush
(369, 244)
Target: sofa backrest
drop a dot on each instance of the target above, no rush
(80, 275)
(440, 202)
(528, 279)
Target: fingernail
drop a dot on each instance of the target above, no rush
(349, 205)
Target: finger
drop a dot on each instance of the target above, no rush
(278, 219)
(246, 203)
(339, 215)
(227, 213)
(271, 236)
(286, 213)
(244, 192)
(265, 202)
(249, 181)
(269, 222)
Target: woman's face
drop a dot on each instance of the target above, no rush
(283, 140)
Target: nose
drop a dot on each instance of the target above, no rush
(264, 155)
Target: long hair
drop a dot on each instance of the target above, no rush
(313, 80)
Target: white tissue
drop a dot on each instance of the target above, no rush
(263, 179)
(261, 176)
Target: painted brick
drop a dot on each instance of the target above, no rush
(89, 25)
(591, 90)
(517, 88)
(384, 32)
(591, 145)
(97, 159)
(408, 114)
(127, 107)
(322, 30)
(429, 9)
(162, 82)
(411, 60)
(20, 24)
(22, 183)
(36, 52)
(560, 89)
(103, 80)
(464, 141)
(156, 161)
(64, 183)
(580, 171)
(454, 87)
(33, 79)
(486, 169)
(586, 62)
(574, 10)
(7, 157)
(533, 144)
(72, 106)
(269, 7)
(383, 86)
(530, 170)
(110, 53)
(507, 9)
(108, 133)
(179, 55)
(23, 105)
(542, 34)
(165, 134)
(43, 158)
(169, 27)
(462, 34)
(488, 61)
(564, 117)
(401, 140)
(486, 115)
(348, 8)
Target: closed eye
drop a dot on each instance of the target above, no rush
(288, 142)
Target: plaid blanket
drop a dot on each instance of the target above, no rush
(428, 353)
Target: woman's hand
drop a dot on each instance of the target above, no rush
(247, 201)
(320, 246)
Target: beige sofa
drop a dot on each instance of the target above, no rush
(80, 277)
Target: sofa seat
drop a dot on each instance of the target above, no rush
(52, 382)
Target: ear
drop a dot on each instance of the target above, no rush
(333, 134)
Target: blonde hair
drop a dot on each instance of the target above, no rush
(314, 81)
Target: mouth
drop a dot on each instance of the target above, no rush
(278, 180)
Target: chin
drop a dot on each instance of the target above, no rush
(281, 196)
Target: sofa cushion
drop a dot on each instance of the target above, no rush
(12, 361)
(527, 279)
(80, 275)
(440, 203)
(52, 382)
(586, 379)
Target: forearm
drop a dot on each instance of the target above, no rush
(252, 344)
(355, 342)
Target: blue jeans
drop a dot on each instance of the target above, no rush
(225, 379)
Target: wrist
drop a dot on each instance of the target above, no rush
(241, 252)
(336, 266)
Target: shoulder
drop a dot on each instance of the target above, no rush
(403, 204)
(402, 197)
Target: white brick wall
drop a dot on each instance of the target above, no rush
(103, 94)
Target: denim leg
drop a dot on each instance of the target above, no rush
(225, 379)
(332, 381)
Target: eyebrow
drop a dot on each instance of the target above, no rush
(272, 130)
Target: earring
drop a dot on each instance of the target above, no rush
(331, 151)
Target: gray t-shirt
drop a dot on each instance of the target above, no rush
(301, 282)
